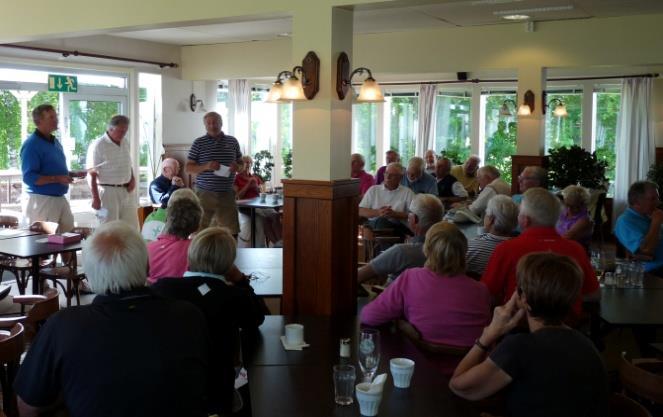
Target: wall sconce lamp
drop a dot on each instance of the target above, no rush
(288, 87)
(369, 92)
(527, 108)
(194, 102)
(559, 108)
(505, 111)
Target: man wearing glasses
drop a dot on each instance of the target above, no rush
(530, 177)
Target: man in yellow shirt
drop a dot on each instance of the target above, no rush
(467, 174)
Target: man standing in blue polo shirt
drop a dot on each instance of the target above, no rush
(45, 172)
(639, 227)
(215, 158)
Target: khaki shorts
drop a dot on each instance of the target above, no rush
(48, 208)
(219, 209)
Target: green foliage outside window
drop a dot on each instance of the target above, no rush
(88, 121)
(501, 134)
(404, 116)
(453, 126)
(564, 131)
(607, 110)
(364, 120)
(263, 162)
(42, 97)
(10, 130)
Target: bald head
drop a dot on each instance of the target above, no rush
(170, 167)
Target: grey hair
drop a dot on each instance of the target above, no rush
(417, 162)
(360, 156)
(181, 194)
(504, 213)
(489, 170)
(396, 165)
(575, 195)
(214, 115)
(118, 120)
(115, 258)
(183, 217)
(638, 189)
(538, 173)
(428, 209)
(541, 206)
(39, 111)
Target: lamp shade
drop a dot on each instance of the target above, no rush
(275, 93)
(560, 110)
(293, 90)
(504, 110)
(524, 110)
(370, 92)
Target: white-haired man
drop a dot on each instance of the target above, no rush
(467, 174)
(110, 157)
(530, 177)
(425, 211)
(539, 212)
(491, 185)
(430, 159)
(167, 183)
(117, 356)
(417, 179)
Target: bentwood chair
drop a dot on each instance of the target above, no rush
(11, 349)
(41, 308)
(413, 334)
(622, 406)
(642, 377)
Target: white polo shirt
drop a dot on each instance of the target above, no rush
(379, 196)
(116, 169)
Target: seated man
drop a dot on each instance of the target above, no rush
(447, 185)
(417, 180)
(391, 156)
(537, 368)
(118, 356)
(385, 205)
(425, 211)
(467, 174)
(638, 228)
(165, 184)
(538, 215)
(366, 180)
(429, 157)
(224, 295)
(530, 177)
(491, 185)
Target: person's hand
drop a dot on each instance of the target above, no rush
(212, 166)
(235, 276)
(177, 181)
(657, 216)
(63, 179)
(234, 167)
(505, 318)
(385, 211)
(96, 203)
(132, 184)
(78, 174)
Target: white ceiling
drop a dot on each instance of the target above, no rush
(441, 14)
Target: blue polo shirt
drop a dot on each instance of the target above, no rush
(631, 229)
(41, 155)
(425, 184)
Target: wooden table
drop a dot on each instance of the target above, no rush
(299, 383)
(254, 203)
(14, 233)
(265, 264)
(34, 247)
(634, 306)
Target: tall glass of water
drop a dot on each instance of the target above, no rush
(369, 353)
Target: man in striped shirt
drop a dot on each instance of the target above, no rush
(112, 180)
(215, 158)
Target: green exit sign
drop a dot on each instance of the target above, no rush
(62, 83)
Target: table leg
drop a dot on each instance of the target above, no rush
(36, 287)
(253, 227)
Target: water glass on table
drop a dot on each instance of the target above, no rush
(344, 384)
(369, 353)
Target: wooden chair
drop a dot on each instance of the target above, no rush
(72, 272)
(42, 307)
(413, 334)
(622, 406)
(11, 349)
(642, 377)
(374, 238)
(8, 222)
(21, 267)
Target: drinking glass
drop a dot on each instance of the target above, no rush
(369, 353)
(344, 384)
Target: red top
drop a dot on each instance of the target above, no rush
(242, 179)
(167, 257)
(366, 181)
(500, 275)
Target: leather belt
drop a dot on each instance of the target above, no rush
(115, 185)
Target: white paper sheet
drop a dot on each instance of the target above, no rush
(223, 171)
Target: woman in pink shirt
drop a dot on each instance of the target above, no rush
(168, 254)
(439, 300)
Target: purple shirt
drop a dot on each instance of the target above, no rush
(168, 257)
(451, 310)
(379, 176)
(567, 221)
(366, 181)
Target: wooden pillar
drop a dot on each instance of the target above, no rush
(320, 247)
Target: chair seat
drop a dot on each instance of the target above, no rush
(63, 272)
(22, 263)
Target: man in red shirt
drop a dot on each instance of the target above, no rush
(539, 212)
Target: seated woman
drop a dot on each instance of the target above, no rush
(439, 300)
(155, 222)
(167, 254)
(574, 221)
(268, 222)
(551, 371)
(224, 295)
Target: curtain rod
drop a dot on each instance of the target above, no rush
(476, 80)
(65, 53)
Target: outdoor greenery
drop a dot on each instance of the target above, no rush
(10, 130)
(501, 134)
(564, 131)
(42, 97)
(286, 138)
(287, 162)
(364, 119)
(655, 174)
(607, 110)
(404, 115)
(263, 162)
(574, 165)
(87, 122)
(452, 127)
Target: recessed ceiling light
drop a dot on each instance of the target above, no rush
(515, 17)
(482, 2)
(284, 35)
(534, 10)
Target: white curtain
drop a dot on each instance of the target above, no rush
(635, 139)
(426, 136)
(239, 96)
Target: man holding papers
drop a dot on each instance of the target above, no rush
(215, 158)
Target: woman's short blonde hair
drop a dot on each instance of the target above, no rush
(445, 248)
(183, 193)
(575, 196)
(212, 251)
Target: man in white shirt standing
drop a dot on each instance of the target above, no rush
(112, 180)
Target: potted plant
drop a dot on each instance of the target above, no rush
(263, 162)
(655, 174)
(575, 166)
(287, 163)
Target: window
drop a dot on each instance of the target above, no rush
(606, 110)
(564, 131)
(149, 111)
(403, 118)
(285, 139)
(500, 132)
(453, 126)
(364, 133)
(222, 102)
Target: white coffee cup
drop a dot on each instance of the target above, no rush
(401, 370)
(369, 401)
(294, 334)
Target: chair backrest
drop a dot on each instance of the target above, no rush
(43, 309)
(642, 377)
(413, 334)
(11, 344)
(8, 222)
(622, 406)
(44, 227)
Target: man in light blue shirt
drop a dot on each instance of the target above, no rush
(417, 179)
(639, 227)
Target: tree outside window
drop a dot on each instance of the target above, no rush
(564, 131)
(500, 133)
(605, 129)
(10, 130)
(364, 131)
(403, 126)
(453, 127)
